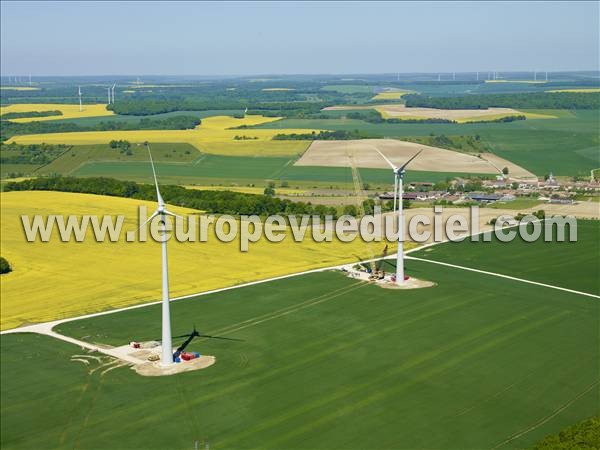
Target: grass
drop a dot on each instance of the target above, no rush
(573, 265)
(68, 111)
(322, 361)
(214, 135)
(565, 146)
(55, 279)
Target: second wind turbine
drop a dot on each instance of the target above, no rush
(398, 193)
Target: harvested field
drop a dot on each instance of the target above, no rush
(458, 115)
(336, 154)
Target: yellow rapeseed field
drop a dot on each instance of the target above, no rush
(581, 90)
(68, 111)
(214, 135)
(54, 280)
(391, 95)
(517, 81)
(19, 88)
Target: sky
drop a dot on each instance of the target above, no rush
(246, 38)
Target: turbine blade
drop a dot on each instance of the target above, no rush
(169, 213)
(407, 162)
(154, 214)
(385, 158)
(161, 202)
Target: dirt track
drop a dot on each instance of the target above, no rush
(336, 154)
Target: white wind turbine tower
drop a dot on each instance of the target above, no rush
(108, 95)
(113, 92)
(161, 210)
(79, 93)
(398, 191)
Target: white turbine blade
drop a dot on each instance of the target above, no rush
(407, 162)
(161, 202)
(386, 160)
(169, 213)
(154, 214)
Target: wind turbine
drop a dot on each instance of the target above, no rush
(79, 93)
(108, 95)
(161, 210)
(113, 92)
(398, 185)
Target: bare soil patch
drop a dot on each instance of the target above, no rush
(154, 369)
(401, 111)
(337, 154)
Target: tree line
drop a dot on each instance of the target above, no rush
(339, 135)
(213, 202)
(28, 114)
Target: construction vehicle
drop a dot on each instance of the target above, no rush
(377, 273)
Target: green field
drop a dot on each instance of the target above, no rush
(573, 265)
(212, 168)
(78, 155)
(567, 145)
(324, 361)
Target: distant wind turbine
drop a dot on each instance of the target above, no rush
(79, 93)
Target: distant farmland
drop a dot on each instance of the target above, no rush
(567, 145)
